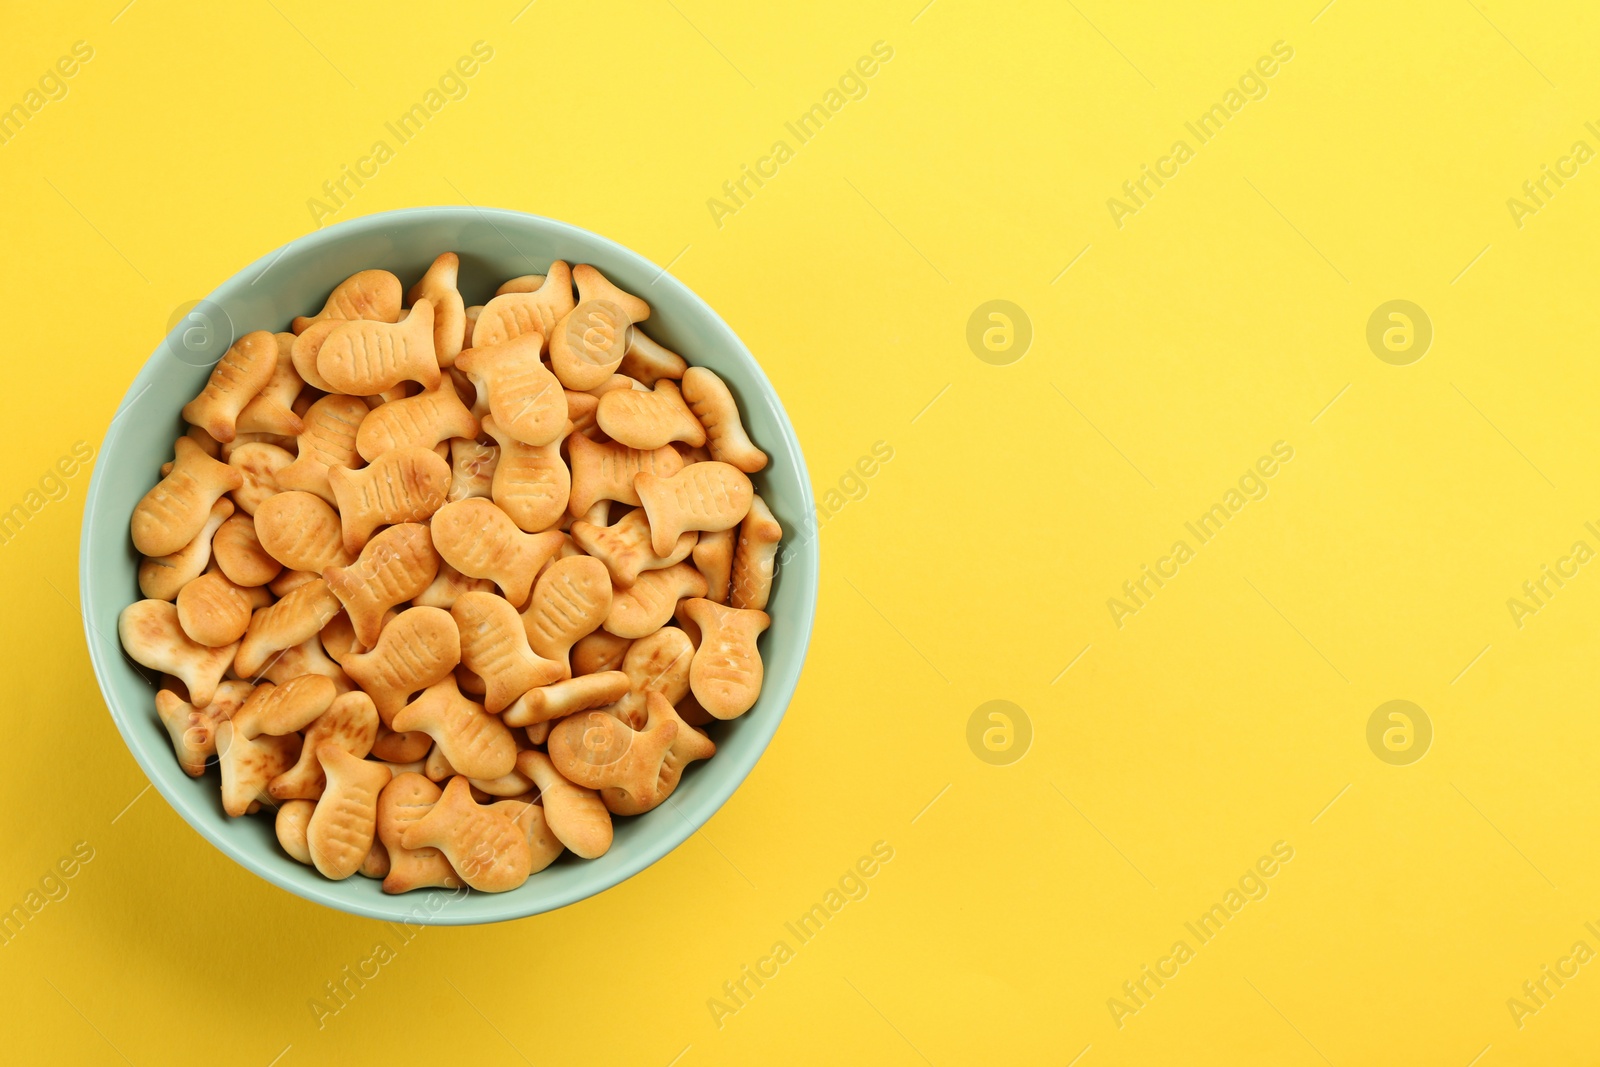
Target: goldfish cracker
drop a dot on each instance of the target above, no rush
(173, 513)
(439, 287)
(408, 797)
(486, 847)
(714, 406)
(244, 370)
(193, 729)
(702, 496)
(518, 311)
(367, 294)
(531, 483)
(524, 397)
(345, 822)
(332, 425)
(272, 409)
(479, 540)
(152, 635)
(608, 471)
(571, 599)
(362, 358)
(419, 648)
(403, 485)
(649, 419)
(755, 558)
(424, 420)
(163, 577)
(258, 464)
(301, 532)
(647, 362)
(589, 342)
(726, 673)
(396, 565)
(213, 611)
(574, 814)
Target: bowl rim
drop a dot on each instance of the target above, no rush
(404, 907)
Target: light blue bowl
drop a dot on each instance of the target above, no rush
(494, 245)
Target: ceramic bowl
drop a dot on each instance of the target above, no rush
(494, 245)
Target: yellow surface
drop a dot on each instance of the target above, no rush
(1228, 714)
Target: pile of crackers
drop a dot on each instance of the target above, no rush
(444, 589)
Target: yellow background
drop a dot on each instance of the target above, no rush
(1226, 715)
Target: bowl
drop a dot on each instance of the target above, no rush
(494, 245)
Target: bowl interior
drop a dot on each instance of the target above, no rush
(494, 246)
